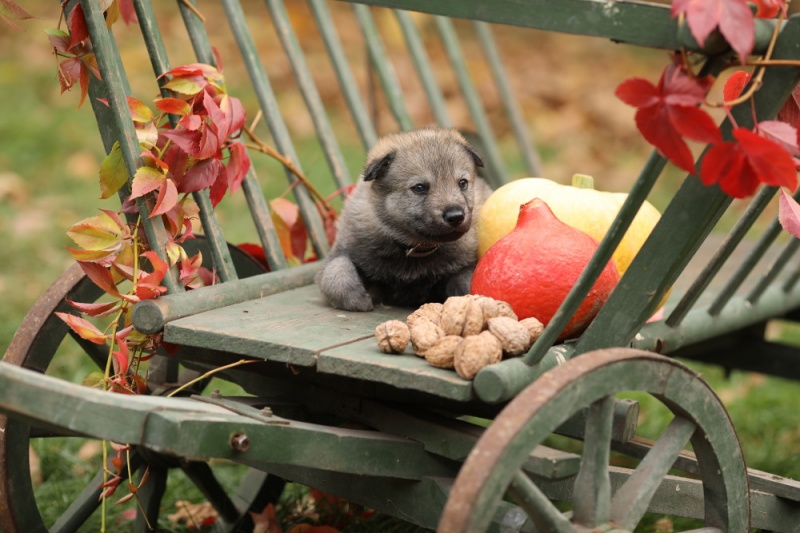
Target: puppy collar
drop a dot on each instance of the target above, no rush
(420, 250)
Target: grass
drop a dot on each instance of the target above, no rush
(48, 180)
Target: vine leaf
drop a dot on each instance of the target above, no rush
(95, 310)
(733, 18)
(85, 329)
(113, 173)
(77, 27)
(789, 213)
(668, 112)
(10, 11)
(735, 85)
(770, 8)
(740, 166)
(290, 228)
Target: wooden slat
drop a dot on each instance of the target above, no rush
(364, 361)
(290, 327)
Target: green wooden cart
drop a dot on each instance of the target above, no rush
(326, 409)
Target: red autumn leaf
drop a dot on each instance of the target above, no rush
(735, 85)
(85, 329)
(94, 310)
(782, 133)
(219, 187)
(147, 179)
(188, 141)
(238, 165)
(733, 18)
(770, 8)
(201, 176)
(790, 112)
(174, 106)
(159, 269)
(789, 213)
(121, 359)
(139, 111)
(256, 251)
(209, 142)
(167, 198)
(101, 277)
(742, 165)
(69, 72)
(77, 27)
(667, 113)
(127, 11)
(218, 118)
(234, 110)
(290, 228)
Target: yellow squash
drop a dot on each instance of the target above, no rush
(578, 205)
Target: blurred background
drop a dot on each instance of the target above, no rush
(50, 153)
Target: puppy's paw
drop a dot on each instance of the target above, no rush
(342, 286)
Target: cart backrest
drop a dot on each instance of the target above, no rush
(381, 107)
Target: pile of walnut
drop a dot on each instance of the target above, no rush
(466, 333)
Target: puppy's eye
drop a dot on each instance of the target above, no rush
(420, 188)
(463, 184)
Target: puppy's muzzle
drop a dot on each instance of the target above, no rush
(454, 216)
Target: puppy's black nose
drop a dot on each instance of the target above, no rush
(453, 216)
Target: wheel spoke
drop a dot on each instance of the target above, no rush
(631, 500)
(96, 352)
(150, 498)
(539, 509)
(592, 485)
(87, 501)
(201, 475)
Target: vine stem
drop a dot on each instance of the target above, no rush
(193, 9)
(758, 77)
(259, 145)
(211, 372)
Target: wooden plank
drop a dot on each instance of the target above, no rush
(364, 361)
(289, 327)
(639, 23)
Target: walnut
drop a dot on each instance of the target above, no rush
(462, 315)
(442, 354)
(492, 308)
(535, 327)
(424, 334)
(477, 351)
(392, 336)
(514, 337)
(431, 311)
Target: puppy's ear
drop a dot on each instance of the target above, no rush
(378, 168)
(476, 158)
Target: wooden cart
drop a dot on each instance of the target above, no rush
(328, 410)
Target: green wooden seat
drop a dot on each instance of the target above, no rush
(318, 368)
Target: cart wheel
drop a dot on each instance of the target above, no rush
(494, 467)
(34, 346)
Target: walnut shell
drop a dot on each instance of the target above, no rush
(476, 352)
(392, 336)
(493, 308)
(514, 337)
(424, 334)
(431, 311)
(535, 327)
(462, 315)
(442, 354)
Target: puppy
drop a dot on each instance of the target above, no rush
(406, 235)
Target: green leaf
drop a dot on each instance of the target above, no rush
(185, 85)
(113, 173)
(94, 380)
(99, 232)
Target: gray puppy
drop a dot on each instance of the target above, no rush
(406, 235)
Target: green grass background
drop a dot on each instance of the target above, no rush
(50, 153)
